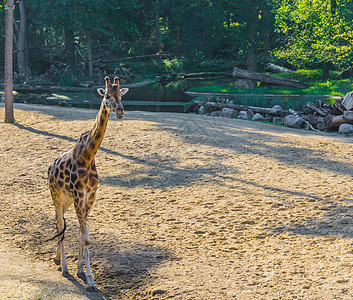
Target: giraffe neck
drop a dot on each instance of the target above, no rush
(96, 134)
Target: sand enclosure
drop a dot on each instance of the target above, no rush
(188, 207)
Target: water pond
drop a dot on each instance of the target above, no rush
(169, 98)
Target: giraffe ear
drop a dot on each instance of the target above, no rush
(101, 92)
(124, 91)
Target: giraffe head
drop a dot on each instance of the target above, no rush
(112, 96)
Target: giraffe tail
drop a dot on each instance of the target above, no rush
(61, 233)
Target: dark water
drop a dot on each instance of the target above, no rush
(155, 97)
(152, 97)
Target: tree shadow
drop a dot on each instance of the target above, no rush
(240, 138)
(125, 266)
(337, 222)
(248, 138)
(57, 290)
(118, 265)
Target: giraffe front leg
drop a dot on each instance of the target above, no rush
(80, 262)
(83, 253)
(91, 287)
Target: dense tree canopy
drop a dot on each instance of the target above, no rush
(315, 33)
(247, 32)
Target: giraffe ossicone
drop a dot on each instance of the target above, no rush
(73, 179)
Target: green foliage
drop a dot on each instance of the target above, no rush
(203, 35)
(314, 37)
(331, 87)
(308, 76)
(154, 67)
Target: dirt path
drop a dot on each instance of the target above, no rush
(188, 207)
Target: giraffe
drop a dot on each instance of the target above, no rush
(73, 178)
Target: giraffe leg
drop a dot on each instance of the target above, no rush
(91, 287)
(58, 200)
(80, 262)
(83, 252)
(60, 252)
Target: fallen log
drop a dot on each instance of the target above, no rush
(277, 69)
(57, 88)
(239, 73)
(207, 74)
(194, 94)
(43, 88)
(316, 109)
(140, 57)
(336, 121)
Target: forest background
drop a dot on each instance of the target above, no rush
(188, 35)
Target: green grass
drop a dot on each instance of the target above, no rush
(330, 87)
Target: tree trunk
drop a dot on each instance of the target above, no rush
(266, 13)
(251, 61)
(158, 33)
(70, 47)
(333, 6)
(9, 115)
(89, 55)
(239, 73)
(23, 69)
(325, 72)
(177, 50)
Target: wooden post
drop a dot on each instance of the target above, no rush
(9, 115)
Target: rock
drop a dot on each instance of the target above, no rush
(202, 110)
(228, 112)
(250, 114)
(215, 113)
(268, 118)
(347, 101)
(258, 117)
(64, 103)
(277, 107)
(293, 121)
(244, 84)
(346, 129)
(243, 115)
(277, 120)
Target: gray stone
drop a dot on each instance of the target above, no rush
(202, 110)
(258, 117)
(293, 121)
(277, 107)
(63, 103)
(215, 113)
(244, 84)
(277, 120)
(250, 113)
(346, 129)
(243, 115)
(228, 112)
(348, 114)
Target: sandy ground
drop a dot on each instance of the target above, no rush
(188, 207)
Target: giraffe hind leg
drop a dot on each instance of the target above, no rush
(60, 252)
(60, 236)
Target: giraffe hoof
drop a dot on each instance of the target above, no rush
(92, 288)
(66, 273)
(82, 276)
(57, 261)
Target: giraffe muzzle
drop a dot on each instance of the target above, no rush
(120, 112)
